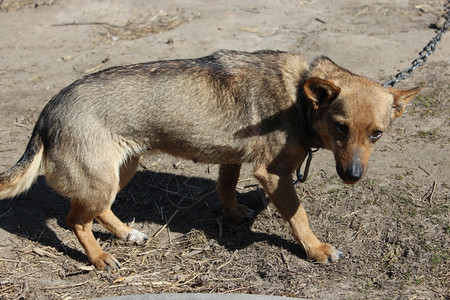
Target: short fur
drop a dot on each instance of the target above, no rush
(265, 108)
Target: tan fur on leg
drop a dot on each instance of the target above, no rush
(282, 194)
(81, 223)
(226, 185)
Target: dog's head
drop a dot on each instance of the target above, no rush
(350, 114)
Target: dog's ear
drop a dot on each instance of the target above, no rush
(401, 98)
(320, 91)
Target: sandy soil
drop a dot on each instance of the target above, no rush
(393, 226)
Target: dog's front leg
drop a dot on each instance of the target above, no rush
(109, 220)
(226, 187)
(282, 194)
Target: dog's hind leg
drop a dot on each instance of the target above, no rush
(107, 217)
(80, 219)
(92, 182)
(226, 185)
(127, 170)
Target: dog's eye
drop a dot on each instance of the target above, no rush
(376, 135)
(342, 128)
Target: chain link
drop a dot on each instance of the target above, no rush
(423, 55)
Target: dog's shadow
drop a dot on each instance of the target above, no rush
(182, 203)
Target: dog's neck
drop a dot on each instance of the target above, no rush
(307, 134)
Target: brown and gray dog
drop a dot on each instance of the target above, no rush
(229, 108)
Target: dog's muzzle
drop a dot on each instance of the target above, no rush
(352, 173)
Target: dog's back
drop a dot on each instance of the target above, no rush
(200, 109)
(190, 106)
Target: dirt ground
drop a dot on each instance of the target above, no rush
(393, 226)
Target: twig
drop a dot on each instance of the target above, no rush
(433, 189)
(6, 150)
(4, 214)
(424, 171)
(143, 166)
(161, 12)
(41, 234)
(228, 261)
(179, 283)
(251, 186)
(319, 20)
(430, 193)
(93, 69)
(83, 24)
(168, 234)
(9, 260)
(352, 213)
(7, 288)
(356, 233)
(163, 227)
(219, 222)
(21, 125)
(42, 252)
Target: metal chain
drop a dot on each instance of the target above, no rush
(427, 51)
(302, 177)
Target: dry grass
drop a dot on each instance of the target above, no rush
(192, 249)
(136, 29)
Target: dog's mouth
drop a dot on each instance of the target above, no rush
(349, 181)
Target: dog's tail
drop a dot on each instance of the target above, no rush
(22, 175)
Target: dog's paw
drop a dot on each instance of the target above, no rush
(240, 213)
(106, 261)
(325, 253)
(136, 236)
(337, 255)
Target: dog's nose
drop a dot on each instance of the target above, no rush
(354, 173)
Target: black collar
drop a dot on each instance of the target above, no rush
(311, 138)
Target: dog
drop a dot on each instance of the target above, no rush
(266, 108)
